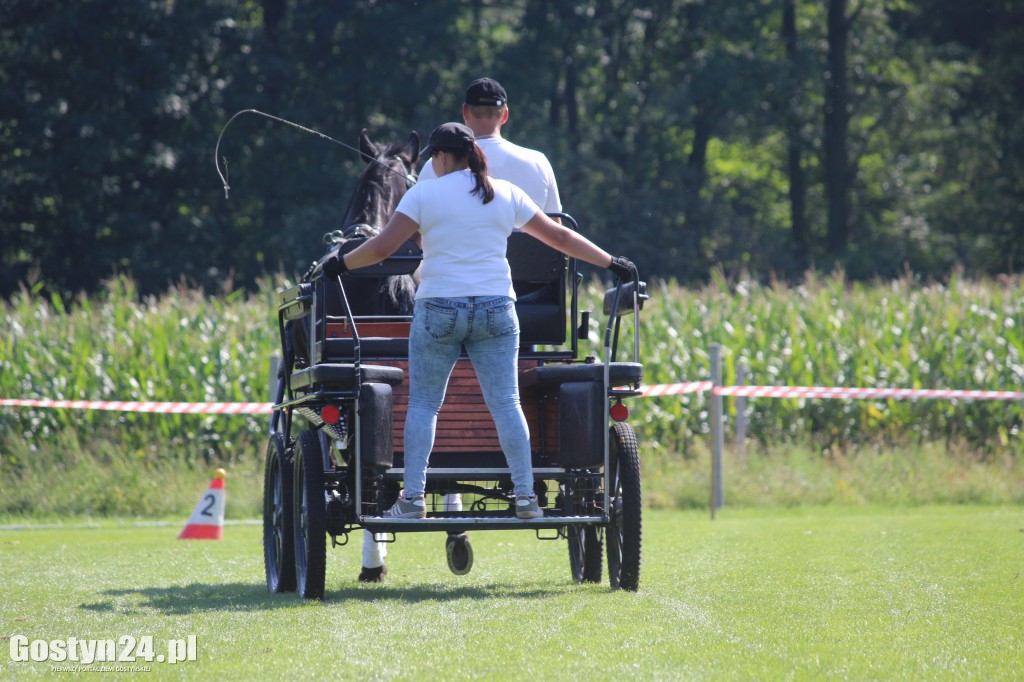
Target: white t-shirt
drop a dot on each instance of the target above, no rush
(464, 239)
(525, 168)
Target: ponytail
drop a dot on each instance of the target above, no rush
(478, 167)
(477, 161)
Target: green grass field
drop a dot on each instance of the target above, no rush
(918, 593)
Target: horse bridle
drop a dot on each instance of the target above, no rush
(366, 229)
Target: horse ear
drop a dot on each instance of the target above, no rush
(412, 147)
(367, 148)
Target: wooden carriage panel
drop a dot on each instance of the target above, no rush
(340, 329)
(464, 423)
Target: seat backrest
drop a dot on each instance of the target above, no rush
(539, 279)
(538, 276)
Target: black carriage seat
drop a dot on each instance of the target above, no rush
(343, 376)
(548, 376)
(340, 345)
(539, 280)
(366, 292)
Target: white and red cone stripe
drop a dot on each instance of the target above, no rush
(207, 519)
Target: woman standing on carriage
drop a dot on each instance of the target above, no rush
(465, 298)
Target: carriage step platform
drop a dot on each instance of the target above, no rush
(476, 473)
(385, 524)
(486, 472)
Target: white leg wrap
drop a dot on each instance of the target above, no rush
(374, 551)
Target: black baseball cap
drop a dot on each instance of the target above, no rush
(449, 136)
(486, 92)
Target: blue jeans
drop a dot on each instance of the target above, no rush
(489, 329)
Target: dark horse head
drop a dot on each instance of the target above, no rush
(390, 172)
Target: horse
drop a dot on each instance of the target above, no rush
(390, 172)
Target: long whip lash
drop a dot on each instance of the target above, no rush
(223, 176)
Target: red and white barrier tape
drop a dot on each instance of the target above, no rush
(895, 393)
(656, 390)
(651, 391)
(157, 407)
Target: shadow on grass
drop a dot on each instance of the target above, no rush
(197, 597)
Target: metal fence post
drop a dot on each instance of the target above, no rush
(717, 486)
(741, 412)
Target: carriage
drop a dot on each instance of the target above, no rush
(334, 462)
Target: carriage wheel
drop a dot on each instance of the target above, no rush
(310, 516)
(585, 544)
(585, 549)
(459, 551)
(625, 527)
(278, 531)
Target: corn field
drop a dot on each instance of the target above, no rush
(830, 332)
(189, 346)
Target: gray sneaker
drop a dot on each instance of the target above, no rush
(416, 508)
(527, 507)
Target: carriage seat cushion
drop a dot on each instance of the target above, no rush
(540, 323)
(538, 275)
(343, 376)
(369, 348)
(619, 374)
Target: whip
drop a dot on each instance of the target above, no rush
(409, 179)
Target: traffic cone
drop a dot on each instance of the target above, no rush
(207, 520)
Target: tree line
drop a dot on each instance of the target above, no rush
(769, 137)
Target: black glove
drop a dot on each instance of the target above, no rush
(623, 268)
(334, 264)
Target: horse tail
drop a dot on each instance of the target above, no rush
(401, 293)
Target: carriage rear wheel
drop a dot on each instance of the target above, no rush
(310, 516)
(585, 542)
(459, 552)
(585, 548)
(278, 537)
(624, 529)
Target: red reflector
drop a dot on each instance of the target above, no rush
(619, 412)
(330, 414)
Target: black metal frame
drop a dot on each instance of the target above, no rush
(589, 485)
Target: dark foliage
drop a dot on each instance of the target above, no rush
(675, 128)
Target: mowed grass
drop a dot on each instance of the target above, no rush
(806, 593)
